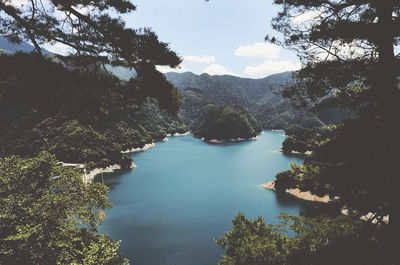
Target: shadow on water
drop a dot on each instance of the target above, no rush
(300, 156)
(112, 179)
(308, 208)
(238, 143)
(314, 209)
(285, 200)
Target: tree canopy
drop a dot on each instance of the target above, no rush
(48, 215)
(93, 29)
(302, 241)
(349, 50)
(74, 108)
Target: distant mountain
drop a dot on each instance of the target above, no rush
(255, 95)
(10, 47)
(7, 47)
(231, 89)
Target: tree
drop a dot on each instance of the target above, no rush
(69, 105)
(302, 241)
(96, 34)
(93, 29)
(49, 102)
(48, 215)
(347, 48)
(348, 52)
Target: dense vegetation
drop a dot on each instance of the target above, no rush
(226, 122)
(257, 96)
(74, 108)
(49, 216)
(80, 116)
(263, 100)
(318, 240)
(348, 48)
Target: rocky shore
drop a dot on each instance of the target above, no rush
(87, 177)
(144, 148)
(304, 195)
(215, 141)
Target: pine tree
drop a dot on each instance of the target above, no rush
(348, 51)
(93, 29)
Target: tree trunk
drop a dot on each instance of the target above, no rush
(388, 110)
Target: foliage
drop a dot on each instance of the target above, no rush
(348, 53)
(73, 107)
(316, 241)
(271, 110)
(70, 105)
(348, 47)
(80, 116)
(93, 30)
(300, 139)
(49, 216)
(225, 122)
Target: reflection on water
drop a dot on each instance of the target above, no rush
(286, 200)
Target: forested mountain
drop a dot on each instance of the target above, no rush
(256, 95)
(9, 47)
(44, 108)
(226, 122)
(231, 89)
(73, 109)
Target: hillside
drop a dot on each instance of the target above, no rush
(255, 95)
(8, 47)
(81, 117)
(226, 122)
(231, 89)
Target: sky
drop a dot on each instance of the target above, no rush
(218, 36)
(215, 37)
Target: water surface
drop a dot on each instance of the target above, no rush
(185, 192)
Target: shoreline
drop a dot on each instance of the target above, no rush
(303, 195)
(215, 141)
(308, 196)
(144, 148)
(112, 168)
(87, 177)
(294, 152)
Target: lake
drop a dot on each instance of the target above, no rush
(185, 192)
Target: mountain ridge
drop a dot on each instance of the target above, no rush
(257, 96)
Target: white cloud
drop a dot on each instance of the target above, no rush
(217, 69)
(19, 3)
(167, 69)
(308, 16)
(271, 67)
(345, 51)
(258, 49)
(58, 48)
(198, 59)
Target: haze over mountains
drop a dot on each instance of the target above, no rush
(255, 95)
(8, 47)
(199, 91)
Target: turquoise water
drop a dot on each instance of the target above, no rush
(185, 192)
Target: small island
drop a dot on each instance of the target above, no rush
(221, 123)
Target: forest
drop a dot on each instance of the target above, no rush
(72, 108)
